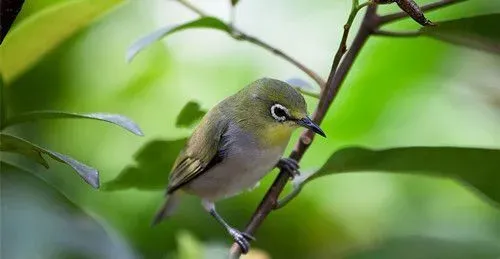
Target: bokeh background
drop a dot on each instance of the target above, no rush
(400, 92)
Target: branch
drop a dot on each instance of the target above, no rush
(335, 79)
(429, 7)
(343, 42)
(240, 35)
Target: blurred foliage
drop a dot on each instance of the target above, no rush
(39, 222)
(50, 28)
(481, 32)
(304, 87)
(431, 248)
(400, 100)
(154, 161)
(14, 144)
(190, 114)
(116, 119)
(69, 17)
(473, 166)
(204, 22)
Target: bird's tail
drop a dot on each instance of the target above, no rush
(167, 208)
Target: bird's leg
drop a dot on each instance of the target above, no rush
(239, 237)
(290, 166)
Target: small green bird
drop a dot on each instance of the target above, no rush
(236, 143)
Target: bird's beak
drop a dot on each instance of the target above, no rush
(309, 124)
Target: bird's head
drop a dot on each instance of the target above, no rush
(274, 109)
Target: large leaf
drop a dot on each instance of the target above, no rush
(479, 32)
(476, 167)
(9, 143)
(49, 225)
(190, 113)
(154, 162)
(204, 22)
(430, 248)
(36, 36)
(116, 119)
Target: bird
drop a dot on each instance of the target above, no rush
(235, 144)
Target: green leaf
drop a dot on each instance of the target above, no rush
(189, 114)
(116, 119)
(151, 172)
(9, 143)
(37, 35)
(205, 22)
(476, 167)
(478, 32)
(418, 247)
(37, 210)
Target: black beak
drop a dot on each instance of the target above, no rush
(308, 123)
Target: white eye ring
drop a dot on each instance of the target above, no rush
(281, 107)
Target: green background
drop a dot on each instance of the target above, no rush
(400, 92)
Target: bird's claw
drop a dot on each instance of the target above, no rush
(242, 239)
(291, 166)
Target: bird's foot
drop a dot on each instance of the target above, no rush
(241, 238)
(291, 166)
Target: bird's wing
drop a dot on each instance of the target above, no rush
(203, 150)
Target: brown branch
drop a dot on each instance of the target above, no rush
(240, 35)
(335, 79)
(429, 7)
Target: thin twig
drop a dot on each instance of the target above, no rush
(343, 42)
(240, 35)
(398, 34)
(429, 7)
(337, 76)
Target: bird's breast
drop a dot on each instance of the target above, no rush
(245, 162)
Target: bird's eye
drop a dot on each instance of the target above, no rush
(279, 112)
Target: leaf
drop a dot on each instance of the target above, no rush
(300, 83)
(154, 162)
(304, 87)
(477, 167)
(189, 114)
(478, 32)
(9, 143)
(49, 28)
(43, 218)
(419, 247)
(204, 22)
(116, 119)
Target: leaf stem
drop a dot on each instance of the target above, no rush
(240, 35)
(341, 50)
